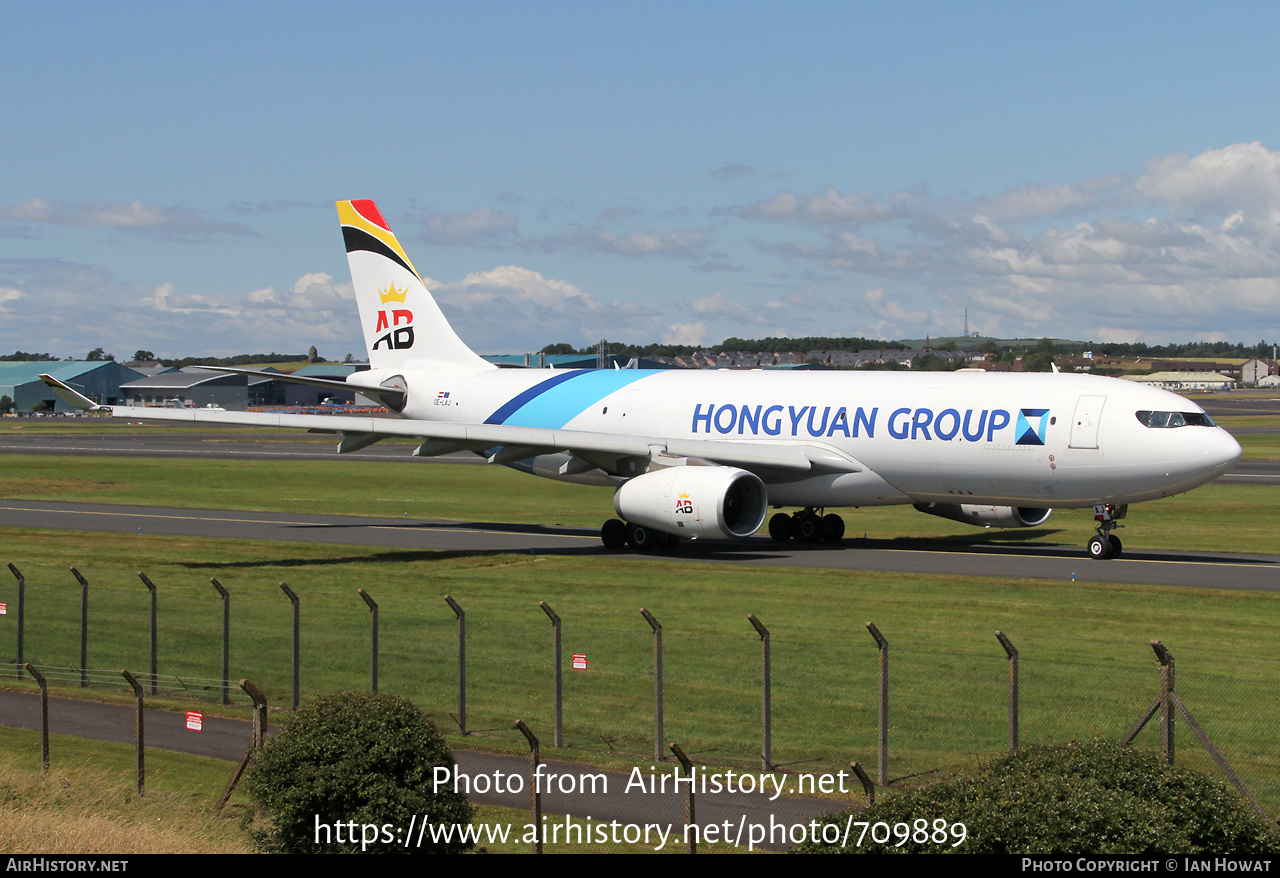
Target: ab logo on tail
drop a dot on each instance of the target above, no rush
(398, 337)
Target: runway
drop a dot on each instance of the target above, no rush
(956, 555)
(950, 557)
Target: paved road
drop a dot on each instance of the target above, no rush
(569, 789)
(968, 554)
(971, 556)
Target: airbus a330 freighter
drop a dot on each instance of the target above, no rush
(705, 454)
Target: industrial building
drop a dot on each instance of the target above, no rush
(100, 380)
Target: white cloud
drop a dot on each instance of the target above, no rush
(720, 305)
(475, 227)
(8, 294)
(686, 243)
(133, 216)
(692, 334)
(727, 172)
(892, 312)
(1203, 255)
(511, 308)
(829, 207)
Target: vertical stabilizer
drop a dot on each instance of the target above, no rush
(402, 322)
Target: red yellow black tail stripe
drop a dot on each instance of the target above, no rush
(363, 228)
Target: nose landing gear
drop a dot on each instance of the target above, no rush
(1105, 545)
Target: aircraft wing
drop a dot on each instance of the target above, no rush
(392, 397)
(505, 443)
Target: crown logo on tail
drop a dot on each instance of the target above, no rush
(393, 294)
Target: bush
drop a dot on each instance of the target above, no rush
(354, 758)
(1094, 797)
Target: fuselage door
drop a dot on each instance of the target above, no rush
(1084, 423)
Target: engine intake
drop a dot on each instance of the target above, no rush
(712, 502)
(988, 516)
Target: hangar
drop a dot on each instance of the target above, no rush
(100, 380)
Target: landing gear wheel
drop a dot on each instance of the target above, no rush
(780, 528)
(614, 534)
(809, 528)
(1116, 547)
(664, 542)
(639, 537)
(832, 528)
(1101, 547)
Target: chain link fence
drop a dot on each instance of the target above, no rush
(948, 703)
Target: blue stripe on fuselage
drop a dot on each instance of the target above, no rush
(557, 401)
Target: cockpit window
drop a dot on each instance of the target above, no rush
(1174, 419)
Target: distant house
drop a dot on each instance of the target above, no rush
(1186, 381)
(1253, 371)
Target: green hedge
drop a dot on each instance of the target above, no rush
(1094, 797)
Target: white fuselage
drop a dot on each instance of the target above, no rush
(1030, 439)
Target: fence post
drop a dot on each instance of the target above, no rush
(297, 647)
(373, 641)
(151, 589)
(766, 696)
(138, 730)
(689, 817)
(657, 683)
(84, 628)
(259, 712)
(226, 641)
(559, 693)
(1166, 698)
(462, 662)
(22, 612)
(1013, 688)
(534, 790)
(868, 788)
(882, 770)
(44, 716)
(251, 752)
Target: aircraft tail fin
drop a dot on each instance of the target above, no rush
(402, 322)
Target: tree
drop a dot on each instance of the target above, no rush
(6, 404)
(562, 348)
(355, 758)
(143, 356)
(95, 355)
(1097, 796)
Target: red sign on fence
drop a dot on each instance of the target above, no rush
(579, 661)
(195, 721)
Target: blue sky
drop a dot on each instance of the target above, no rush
(640, 172)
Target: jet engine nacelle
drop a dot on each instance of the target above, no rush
(988, 516)
(712, 502)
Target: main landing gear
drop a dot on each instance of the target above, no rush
(807, 526)
(615, 534)
(1105, 544)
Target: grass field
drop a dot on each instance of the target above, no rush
(1085, 666)
(88, 805)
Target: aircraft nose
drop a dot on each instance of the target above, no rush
(1223, 452)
